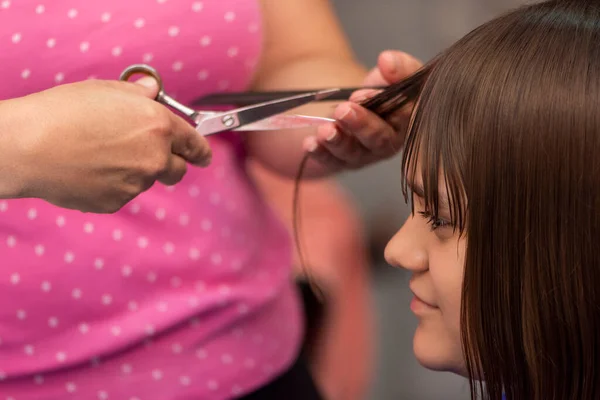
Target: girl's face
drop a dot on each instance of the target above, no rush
(434, 253)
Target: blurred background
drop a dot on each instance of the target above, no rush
(421, 28)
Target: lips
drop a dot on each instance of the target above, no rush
(418, 297)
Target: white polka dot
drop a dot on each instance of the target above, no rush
(46, 286)
(3, 206)
(116, 51)
(243, 309)
(238, 333)
(162, 307)
(176, 282)
(249, 363)
(177, 66)
(11, 241)
(126, 270)
(200, 286)
(139, 23)
(102, 395)
(5, 4)
(84, 328)
(232, 52)
(134, 398)
(40, 9)
(84, 46)
(25, 74)
(212, 384)
(147, 57)
(115, 330)
(61, 356)
(193, 302)
(160, 214)
(51, 42)
(201, 354)
(126, 368)
(184, 219)
(177, 348)
(76, 293)
(169, 248)
(151, 277)
(205, 41)
(69, 257)
(194, 191)
(60, 221)
(29, 350)
(185, 380)
(15, 278)
(194, 253)
(161, 1)
(38, 379)
(236, 390)
(39, 250)
(32, 213)
(226, 359)
(236, 265)
(72, 13)
(197, 6)
(88, 227)
(53, 322)
(223, 84)
(215, 198)
(142, 242)
(149, 330)
(99, 263)
(106, 299)
(71, 387)
(105, 17)
(253, 27)
(203, 75)
(132, 305)
(229, 16)
(58, 78)
(16, 37)
(117, 235)
(173, 31)
(216, 259)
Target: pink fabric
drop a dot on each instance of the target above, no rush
(186, 292)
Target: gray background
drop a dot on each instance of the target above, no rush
(422, 28)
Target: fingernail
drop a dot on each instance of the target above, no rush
(206, 161)
(333, 134)
(345, 113)
(311, 144)
(147, 81)
(392, 60)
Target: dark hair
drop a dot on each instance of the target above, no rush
(509, 117)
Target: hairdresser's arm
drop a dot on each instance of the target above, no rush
(306, 48)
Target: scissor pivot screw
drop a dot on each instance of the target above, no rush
(228, 121)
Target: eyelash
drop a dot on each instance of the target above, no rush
(434, 222)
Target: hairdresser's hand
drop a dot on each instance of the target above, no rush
(359, 137)
(95, 145)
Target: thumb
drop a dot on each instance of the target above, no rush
(145, 86)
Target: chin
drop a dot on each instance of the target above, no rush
(437, 352)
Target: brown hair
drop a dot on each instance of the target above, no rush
(509, 117)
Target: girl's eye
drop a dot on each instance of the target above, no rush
(434, 222)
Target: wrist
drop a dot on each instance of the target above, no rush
(14, 164)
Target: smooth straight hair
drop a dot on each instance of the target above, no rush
(509, 118)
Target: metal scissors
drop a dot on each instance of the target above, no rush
(262, 116)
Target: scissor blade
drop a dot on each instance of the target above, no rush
(283, 122)
(246, 115)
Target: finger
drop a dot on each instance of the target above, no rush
(375, 134)
(396, 65)
(174, 172)
(322, 155)
(341, 145)
(374, 78)
(363, 94)
(145, 86)
(189, 144)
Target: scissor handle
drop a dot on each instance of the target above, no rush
(161, 96)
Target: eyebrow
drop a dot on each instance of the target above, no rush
(419, 191)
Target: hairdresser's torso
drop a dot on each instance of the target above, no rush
(170, 297)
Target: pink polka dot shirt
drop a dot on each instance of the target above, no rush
(186, 292)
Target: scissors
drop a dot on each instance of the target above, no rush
(261, 116)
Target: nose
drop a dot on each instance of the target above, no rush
(407, 248)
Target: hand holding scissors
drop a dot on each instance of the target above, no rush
(262, 116)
